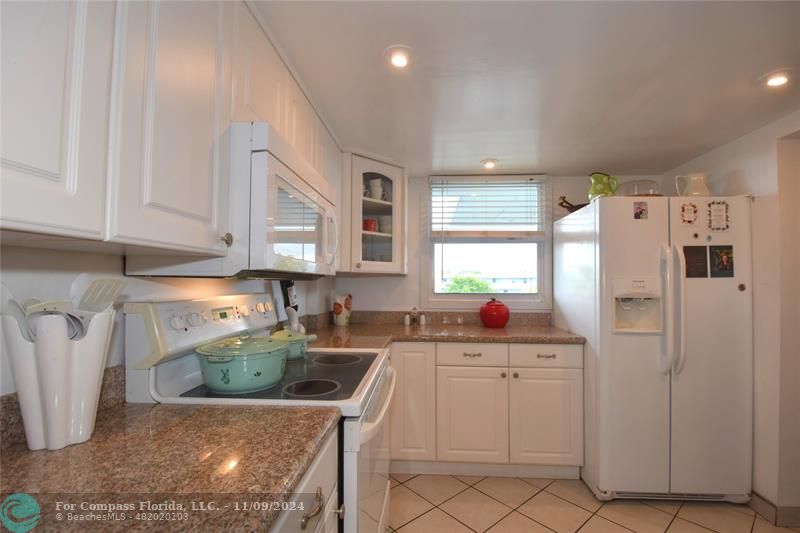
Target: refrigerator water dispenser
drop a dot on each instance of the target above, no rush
(637, 305)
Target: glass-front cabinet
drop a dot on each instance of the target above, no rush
(377, 217)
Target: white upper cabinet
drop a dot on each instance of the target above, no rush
(265, 91)
(56, 75)
(260, 79)
(169, 119)
(374, 240)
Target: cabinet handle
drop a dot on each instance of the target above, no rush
(545, 356)
(503, 375)
(315, 511)
(473, 354)
(227, 239)
(516, 375)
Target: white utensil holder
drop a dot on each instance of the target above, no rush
(58, 380)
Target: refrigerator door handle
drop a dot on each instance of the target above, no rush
(681, 281)
(667, 355)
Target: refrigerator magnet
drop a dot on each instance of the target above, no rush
(688, 213)
(721, 261)
(718, 216)
(640, 210)
(696, 261)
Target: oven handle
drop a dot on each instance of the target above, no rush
(370, 429)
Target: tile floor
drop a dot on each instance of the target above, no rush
(465, 504)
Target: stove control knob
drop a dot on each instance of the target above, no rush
(195, 320)
(244, 310)
(177, 322)
(268, 306)
(260, 307)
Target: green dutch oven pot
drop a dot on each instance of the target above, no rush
(238, 365)
(298, 342)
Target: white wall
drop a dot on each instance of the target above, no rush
(789, 438)
(401, 293)
(748, 165)
(48, 275)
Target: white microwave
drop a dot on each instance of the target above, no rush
(282, 216)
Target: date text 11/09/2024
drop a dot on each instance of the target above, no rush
(148, 506)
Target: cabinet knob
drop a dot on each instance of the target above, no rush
(227, 239)
(516, 375)
(358, 265)
(340, 511)
(503, 375)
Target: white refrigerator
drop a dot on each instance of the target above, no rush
(662, 290)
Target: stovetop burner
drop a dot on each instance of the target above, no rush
(337, 359)
(308, 388)
(309, 378)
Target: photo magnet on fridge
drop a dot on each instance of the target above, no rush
(696, 261)
(721, 261)
(640, 210)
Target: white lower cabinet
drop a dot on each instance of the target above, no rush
(546, 416)
(472, 414)
(413, 416)
(316, 496)
(488, 403)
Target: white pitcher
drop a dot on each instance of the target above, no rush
(695, 185)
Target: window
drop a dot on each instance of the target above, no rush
(489, 237)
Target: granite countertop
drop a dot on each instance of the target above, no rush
(169, 452)
(381, 335)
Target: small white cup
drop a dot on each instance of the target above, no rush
(385, 224)
(376, 188)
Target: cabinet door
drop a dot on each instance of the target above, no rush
(546, 414)
(260, 79)
(56, 79)
(170, 115)
(413, 422)
(472, 414)
(377, 223)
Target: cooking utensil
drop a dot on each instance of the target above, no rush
(243, 364)
(297, 342)
(100, 294)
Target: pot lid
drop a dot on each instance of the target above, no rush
(288, 335)
(242, 345)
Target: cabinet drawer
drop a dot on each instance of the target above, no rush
(546, 355)
(471, 354)
(320, 476)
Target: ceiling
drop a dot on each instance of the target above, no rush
(555, 87)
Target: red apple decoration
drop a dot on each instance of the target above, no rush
(494, 314)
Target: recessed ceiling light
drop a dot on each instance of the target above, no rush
(489, 164)
(777, 79)
(398, 55)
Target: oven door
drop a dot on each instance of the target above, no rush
(366, 462)
(292, 227)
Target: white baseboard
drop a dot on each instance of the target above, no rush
(779, 516)
(481, 469)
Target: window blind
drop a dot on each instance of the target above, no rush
(479, 209)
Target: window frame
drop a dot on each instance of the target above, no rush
(541, 301)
